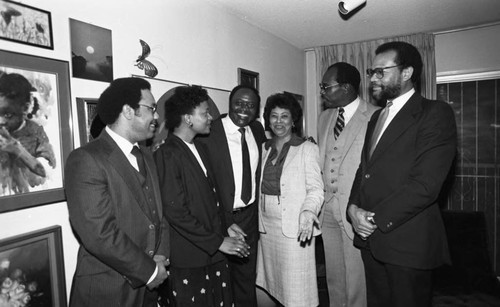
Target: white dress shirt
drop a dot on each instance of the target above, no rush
(234, 143)
(397, 104)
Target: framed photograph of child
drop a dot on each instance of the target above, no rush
(25, 24)
(32, 269)
(35, 129)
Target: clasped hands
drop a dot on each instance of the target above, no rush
(362, 221)
(235, 244)
(161, 263)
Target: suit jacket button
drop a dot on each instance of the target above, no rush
(151, 226)
(151, 253)
(332, 170)
(334, 148)
(367, 176)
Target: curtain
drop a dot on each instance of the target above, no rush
(361, 54)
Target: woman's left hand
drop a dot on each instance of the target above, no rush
(307, 219)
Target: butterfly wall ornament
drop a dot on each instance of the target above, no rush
(149, 69)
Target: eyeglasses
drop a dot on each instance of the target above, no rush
(379, 71)
(152, 108)
(325, 86)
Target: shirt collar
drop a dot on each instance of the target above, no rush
(122, 142)
(400, 101)
(350, 109)
(294, 141)
(229, 126)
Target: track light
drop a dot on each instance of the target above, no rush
(347, 6)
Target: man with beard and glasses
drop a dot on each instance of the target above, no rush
(409, 148)
(235, 138)
(341, 132)
(114, 204)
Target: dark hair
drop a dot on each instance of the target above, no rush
(123, 91)
(406, 55)
(347, 74)
(288, 102)
(184, 100)
(16, 88)
(241, 86)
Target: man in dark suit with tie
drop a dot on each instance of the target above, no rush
(114, 204)
(408, 151)
(234, 146)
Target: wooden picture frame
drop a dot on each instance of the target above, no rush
(46, 133)
(25, 24)
(248, 77)
(32, 269)
(86, 109)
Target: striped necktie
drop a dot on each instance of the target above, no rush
(339, 125)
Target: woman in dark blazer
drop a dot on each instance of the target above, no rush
(199, 274)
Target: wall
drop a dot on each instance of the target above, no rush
(191, 42)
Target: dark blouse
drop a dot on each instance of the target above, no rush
(272, 172)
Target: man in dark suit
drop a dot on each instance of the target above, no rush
(408, 151)
(114, 204)
(224, 145)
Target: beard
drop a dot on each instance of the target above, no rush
(387, 92)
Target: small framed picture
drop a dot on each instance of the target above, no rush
(248, 77)
(91, 51)
(32, 269)
(26, 24)
(87, 111)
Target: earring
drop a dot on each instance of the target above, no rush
(190, 124)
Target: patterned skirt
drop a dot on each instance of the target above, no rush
(286, 268)
(207, 286)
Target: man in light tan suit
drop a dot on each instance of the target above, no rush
(341, 134)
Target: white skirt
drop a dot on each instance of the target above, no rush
(286, 268)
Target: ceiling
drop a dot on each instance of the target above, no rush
(310, 23)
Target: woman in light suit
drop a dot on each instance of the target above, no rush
(291, 199)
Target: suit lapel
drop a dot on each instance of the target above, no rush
(399, 124)
(123, 167)
(352, 129)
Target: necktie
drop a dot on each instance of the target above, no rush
(140, 160)
(246, 182)
(378, 127)
(339, 125)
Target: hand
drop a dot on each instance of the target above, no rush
(234, 246)
(161, 263)
(235, 231)
(307, 219)
(362, 221)
(8, 143)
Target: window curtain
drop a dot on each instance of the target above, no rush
(361, 54)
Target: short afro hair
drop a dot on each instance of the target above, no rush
(123, 91)
(184, 100)
(406, 55)
(347, 74)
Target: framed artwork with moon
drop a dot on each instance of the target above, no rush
(91, 51)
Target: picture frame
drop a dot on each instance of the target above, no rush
(91, 51)
(49, 128)
(248, 77)
(25, 24)
(32, 269)
(300, 99)
(86, 109)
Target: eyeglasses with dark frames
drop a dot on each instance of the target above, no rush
(379, 71)
(325, 86)
(151, 108)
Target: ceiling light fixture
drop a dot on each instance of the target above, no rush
(347, 6)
